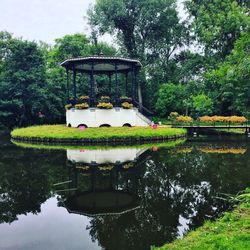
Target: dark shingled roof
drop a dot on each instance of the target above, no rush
(102, 64)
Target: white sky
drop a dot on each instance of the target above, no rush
(44, 20)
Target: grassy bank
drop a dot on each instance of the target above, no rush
(63, 132)
(232, 131)
(231, 232)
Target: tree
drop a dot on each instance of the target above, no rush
(202, 105)
(149, 30)
(230, 81)
(32, 82)
(22, 81)
(138, 24)
(217, 24)
(170, 99)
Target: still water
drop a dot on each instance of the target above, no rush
(115, 197)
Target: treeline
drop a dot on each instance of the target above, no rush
(32, 82)
(197, 65)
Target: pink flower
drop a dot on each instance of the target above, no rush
(154, 126)
(82, 127)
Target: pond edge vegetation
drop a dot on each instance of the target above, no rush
(231, 231)
(114, 135)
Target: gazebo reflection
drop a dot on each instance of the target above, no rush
(103, 182)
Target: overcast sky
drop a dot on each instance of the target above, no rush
(44, 20)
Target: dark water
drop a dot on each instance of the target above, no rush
(87, 198)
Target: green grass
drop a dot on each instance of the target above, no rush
(168, 144)
(231, 232)
(63, 132)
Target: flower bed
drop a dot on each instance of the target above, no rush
(105, 105)
(223, 119)
(127, 105)
(184, 119)
(82, 106)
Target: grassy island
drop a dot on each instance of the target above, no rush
(232, 231)
(61, 133)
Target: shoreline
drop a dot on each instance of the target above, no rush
(62, 134)
(230, 231)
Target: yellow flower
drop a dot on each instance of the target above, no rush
(127, 105)
(105, 105)
(104, 168)
(82, 106)
(185, 119)
(84, 97)
(216, 118)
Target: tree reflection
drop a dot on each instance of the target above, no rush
(176, 189)
(26, 181)
(173, 185)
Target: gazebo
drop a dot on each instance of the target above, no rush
(95, 111)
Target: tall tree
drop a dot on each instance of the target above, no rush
(217, 24)
(146, 29)
(229, 84)
(22, 81)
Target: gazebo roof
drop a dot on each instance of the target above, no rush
(104, 202)
(102, 64)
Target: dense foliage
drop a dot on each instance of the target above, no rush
(195, 63)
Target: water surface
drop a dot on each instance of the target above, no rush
(115, 198)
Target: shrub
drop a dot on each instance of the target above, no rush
(104, 99)
(238, 119)
(173, 116)
(125, 99)
(68, 106)
(184, 119)
(215, 118)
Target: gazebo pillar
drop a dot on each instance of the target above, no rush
(67, 86)
(92, 87)
(136, 87)
(133, 84)
(116, 87)
(110, 83)
(137, 92)
(126, 84)
(74, 83)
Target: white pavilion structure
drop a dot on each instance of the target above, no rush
(96, 110)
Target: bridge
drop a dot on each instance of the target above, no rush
(198, 128)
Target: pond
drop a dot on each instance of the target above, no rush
(116, 197)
